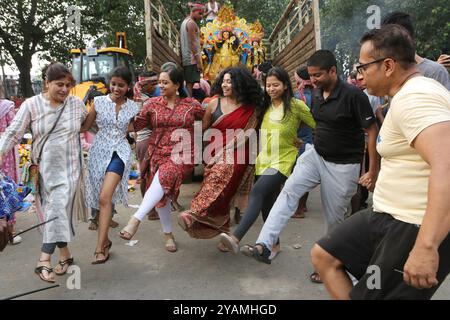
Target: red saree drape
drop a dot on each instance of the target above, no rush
(209, 214)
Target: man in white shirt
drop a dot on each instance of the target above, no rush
(404, 240)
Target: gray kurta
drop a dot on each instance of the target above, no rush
(110, 138)
(60, 162)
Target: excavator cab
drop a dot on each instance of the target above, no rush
(91, 68)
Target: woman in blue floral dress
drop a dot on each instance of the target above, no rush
(110, 155)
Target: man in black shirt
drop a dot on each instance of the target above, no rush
(342, 113)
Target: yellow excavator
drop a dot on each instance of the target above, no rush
(91, 68)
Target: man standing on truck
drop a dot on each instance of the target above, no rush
(190, 46)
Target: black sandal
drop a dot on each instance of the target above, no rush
(101, 261)
(38, 271)
(315, 277)
(264, 256)
(67, 262)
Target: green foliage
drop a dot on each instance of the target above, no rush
(343, 22)
(29, 26)
(103, 18)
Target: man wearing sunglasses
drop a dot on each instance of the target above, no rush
(403, 242)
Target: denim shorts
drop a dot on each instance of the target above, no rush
(116, 165)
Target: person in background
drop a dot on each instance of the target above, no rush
(427, 68)
(9, 165)
(146, 88)
(212, 9)
(191, 55)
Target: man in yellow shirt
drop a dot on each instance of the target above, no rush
(400, 248)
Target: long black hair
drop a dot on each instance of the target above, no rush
(288, 94)
(125, 74)
(245, 88)
(176, 76)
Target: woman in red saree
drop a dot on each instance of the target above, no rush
(234, 112)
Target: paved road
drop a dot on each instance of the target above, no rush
(197, 271)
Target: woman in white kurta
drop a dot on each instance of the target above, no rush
(110, 155)
(60, 164)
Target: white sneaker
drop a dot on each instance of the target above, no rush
(17, 240)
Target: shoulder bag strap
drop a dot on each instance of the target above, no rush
(50, 132)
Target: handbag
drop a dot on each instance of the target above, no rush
(11, 197)
(30, 173)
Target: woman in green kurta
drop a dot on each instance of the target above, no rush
(278, 138)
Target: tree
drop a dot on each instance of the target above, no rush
(29, 26)
(343, 22)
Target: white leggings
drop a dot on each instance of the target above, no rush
(152, 196)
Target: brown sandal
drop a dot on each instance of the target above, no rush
(171, 246)
(106, 256)
(38, 271)
(67, 262)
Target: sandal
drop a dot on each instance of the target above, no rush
(171, 246)
(229, 242)
(247, 250)
(176, 207)
(106, 256)
(130, 229)
(113, 224)
(39, 271)
(262, 257)
(315, 277)
(184, 220)
(63, 264)
(153, 215)
(222, 247)
(93, 225)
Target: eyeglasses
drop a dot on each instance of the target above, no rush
(363, 67)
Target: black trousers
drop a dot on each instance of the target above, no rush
(263, 195)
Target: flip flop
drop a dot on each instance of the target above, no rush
(67, 262)
(38, 271)
(315, 278)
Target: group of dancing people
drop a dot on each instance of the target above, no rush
(238, 105)
(406, 230)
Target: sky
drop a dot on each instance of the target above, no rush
(37, 65)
